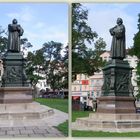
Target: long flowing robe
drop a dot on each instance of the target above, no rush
(118, 42)
(15, 31)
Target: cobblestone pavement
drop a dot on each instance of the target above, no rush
(30, 131)
(33, 127)
(57, 118)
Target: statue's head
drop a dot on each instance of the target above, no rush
(119, 21)
(14, 21)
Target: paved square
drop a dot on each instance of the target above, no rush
(34, 131)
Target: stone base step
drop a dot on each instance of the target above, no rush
(109, 124)
(24, 111)
(76, 126)
(24, 122)
(107, 116)
(103, 121)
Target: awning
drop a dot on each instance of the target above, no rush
(75, 97)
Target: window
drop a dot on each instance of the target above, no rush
(97, 93)
(97, 81)
(80, 87)
(84, 98)
(85, 87)
(105, 58)
(80, 76)
(92, 82)
(40, 84)
(44, 83)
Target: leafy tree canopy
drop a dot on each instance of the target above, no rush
(84, 59)
(135, 50)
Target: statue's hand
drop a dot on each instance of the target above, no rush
(21, 31)
(111, 32)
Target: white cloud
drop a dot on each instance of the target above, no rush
(38, 38)
(13, 15)
(40, 25)
(121, 6)
(24, 15)
(101, 20)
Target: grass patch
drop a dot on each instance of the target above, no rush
(60, 104)
(79, 114)
(63, 127)
(76, 133)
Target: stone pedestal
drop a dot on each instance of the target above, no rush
(24, 114)
(15, 95)
(117, 90)
(14, 70)
(123, 122)
(116, 104)
(15, 87)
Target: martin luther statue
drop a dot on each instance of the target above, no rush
(15, 31)
(118, 41)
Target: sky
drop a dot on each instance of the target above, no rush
(102, 17)
(42, 22)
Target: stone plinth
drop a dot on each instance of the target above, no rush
(117, 79)
(116, 104)
(24, 111)
(15, 95)
(24, 114)
(117, 90)
(108, 122)
(14, 70)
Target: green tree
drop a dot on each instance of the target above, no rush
(65, 68)
(135, 50)
(35, 61)
(26, 43)
(93, 60)
(3, 40)
(81, 32)
(55, 65)
(3, 44)
(84, 59)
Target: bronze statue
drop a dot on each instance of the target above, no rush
(118, 41)
(15, 31)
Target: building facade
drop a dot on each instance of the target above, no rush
(95, 84)
(80, 87)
